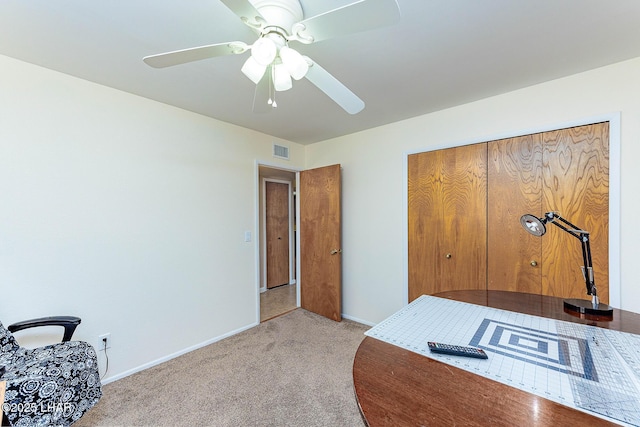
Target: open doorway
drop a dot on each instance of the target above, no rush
(278, 287)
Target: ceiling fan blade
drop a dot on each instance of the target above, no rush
(334, 89)
(261, 96)
(246, 11)
(359, 16)
(183, 56)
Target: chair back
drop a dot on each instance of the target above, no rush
(8, 347)
(7, 341)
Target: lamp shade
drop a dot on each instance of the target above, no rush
(533, 225)
(264, 51)
(294, 62)
(253, 70)
(281, 78)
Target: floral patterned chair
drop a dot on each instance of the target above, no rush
(52, 385)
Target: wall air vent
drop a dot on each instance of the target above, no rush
(280, 151)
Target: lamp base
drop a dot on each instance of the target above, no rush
(583, 306)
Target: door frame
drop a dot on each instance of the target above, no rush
(295, 206)
(614, 192)
(263, 231)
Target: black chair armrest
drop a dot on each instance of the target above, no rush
(69, 323)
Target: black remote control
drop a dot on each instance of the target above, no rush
(457, 350)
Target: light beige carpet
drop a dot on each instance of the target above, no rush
(293, 370)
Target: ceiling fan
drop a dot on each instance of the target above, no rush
(272, 63)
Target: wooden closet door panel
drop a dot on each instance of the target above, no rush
(576, 186)
(515, 188)
(425, 225)
(447, 220)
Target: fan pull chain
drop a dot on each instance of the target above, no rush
(272, 91)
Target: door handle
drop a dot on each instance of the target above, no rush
(336, 251)
(533, 263)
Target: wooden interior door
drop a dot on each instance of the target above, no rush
(276, 196)
(320, 242)
(514, 257)
(447, 216)
(576, 186)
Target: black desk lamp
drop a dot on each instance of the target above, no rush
(536, 226)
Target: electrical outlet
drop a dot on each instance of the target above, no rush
(102, 340)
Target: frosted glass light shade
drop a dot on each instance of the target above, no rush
(264, 51)
(253, 70)
(281, 78)
(294, 62)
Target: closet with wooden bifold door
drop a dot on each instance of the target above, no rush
(465, 204)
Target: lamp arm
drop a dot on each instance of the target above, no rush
(574, 230)
(583, 236)
(588, 266)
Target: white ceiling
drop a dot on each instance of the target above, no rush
(442, 53)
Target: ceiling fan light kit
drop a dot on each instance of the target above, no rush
(271, 50)
(277, 23)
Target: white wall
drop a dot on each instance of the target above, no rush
(374, 260)
(126, 212)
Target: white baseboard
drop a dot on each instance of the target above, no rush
(355, 319)
(174, 355)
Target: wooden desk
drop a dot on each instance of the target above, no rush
(397, 387)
